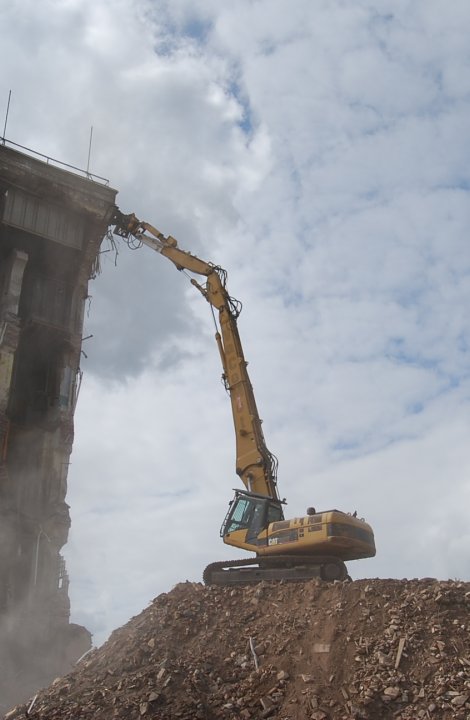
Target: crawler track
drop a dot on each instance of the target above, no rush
(282, 567)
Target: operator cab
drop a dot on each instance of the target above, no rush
(251, 512)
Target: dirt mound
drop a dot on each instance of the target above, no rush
(367, 649)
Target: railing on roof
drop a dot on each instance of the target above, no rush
(49, 160)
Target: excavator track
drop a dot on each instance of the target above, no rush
(282, 567)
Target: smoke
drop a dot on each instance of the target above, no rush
(35, 649)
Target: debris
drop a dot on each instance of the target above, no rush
(321, 656)
(266, 704)
(31, 705)
(459, 700)
(321, 647)
(253, 652)
(401, 645)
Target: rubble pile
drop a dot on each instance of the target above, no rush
(289, 651)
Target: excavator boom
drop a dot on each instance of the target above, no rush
(255, 464)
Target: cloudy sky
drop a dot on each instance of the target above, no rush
(320, 152)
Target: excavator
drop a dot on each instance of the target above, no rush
(314, 546)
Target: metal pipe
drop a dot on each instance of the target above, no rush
(89, 151)
(6, 117)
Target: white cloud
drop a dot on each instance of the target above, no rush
(321, 155)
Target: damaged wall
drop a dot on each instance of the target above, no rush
(51, 226)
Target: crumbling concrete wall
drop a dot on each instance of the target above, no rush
(51, 226)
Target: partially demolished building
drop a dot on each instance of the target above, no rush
(52, 222)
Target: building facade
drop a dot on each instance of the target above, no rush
(52, 222)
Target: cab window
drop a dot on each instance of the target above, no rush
(274, 513)
(246, 512)
(239, 518)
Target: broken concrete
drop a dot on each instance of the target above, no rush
(288, 651)
(51, 225)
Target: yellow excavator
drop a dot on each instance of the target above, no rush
(302, 548)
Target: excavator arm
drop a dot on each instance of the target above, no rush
(255, 464)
